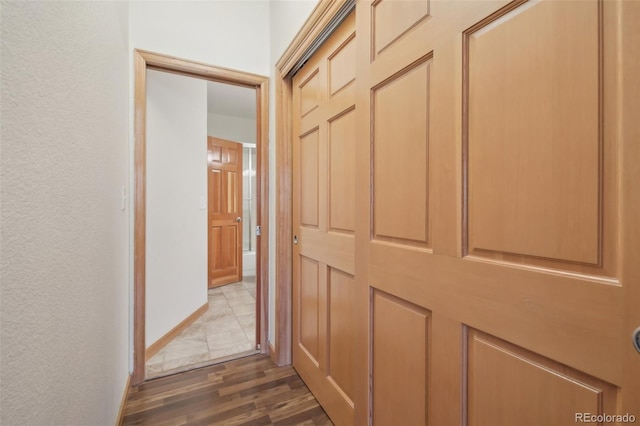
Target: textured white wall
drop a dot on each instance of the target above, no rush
(64, 263)
(176, 258)
(238, 129)
(286, 17)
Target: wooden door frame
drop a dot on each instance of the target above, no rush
(144, 60)
(323, 19)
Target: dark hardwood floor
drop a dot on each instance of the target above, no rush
(247, 391)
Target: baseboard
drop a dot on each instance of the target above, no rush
(123, 403)
(155, 347)
(272, 353)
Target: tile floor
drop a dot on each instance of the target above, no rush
(227, 330)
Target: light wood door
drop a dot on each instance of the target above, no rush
(225, 211)
(497, 212)
(324, 223)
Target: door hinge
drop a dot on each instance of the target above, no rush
(258, 230)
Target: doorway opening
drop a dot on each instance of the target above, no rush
(211, 187)
(231, 300)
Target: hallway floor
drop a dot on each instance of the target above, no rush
(227, 330)
(248, 391)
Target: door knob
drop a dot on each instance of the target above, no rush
(636, 339)
(238, 219)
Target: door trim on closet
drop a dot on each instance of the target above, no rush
(144, 60)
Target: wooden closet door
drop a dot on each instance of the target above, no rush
(497, 211)
(324, 223)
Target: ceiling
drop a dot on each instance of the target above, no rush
(227, 99)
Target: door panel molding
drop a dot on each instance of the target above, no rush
(144, 60)
(495, 368)
(571, 177)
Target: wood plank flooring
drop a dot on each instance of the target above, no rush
(247, 391)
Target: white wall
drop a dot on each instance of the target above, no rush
(285, 20)
(176, 257)
(64, 264)
(227, 33)
(238, 129)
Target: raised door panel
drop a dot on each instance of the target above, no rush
(223, 258)
(215, 187)
(230, 155)
(401, 157)
(341, 318)
(506, 383)
(399, 353)
(392, 19)
(215, 245)
(342, 173)
(308, 305)
(215, 153)
(534, 132)
(309, 94)
(230, 191)
(342, 66)
(309, 186)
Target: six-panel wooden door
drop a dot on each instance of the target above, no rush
(466, 212)
(324, 223)
(497, 211)
(225, 211)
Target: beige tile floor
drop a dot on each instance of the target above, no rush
(225, 331)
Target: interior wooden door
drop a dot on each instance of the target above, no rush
(324, 223)
(225, 211)
(497, 212)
